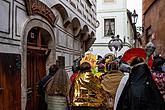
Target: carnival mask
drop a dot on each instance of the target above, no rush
(149, 48)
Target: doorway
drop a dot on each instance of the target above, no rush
(10, 81)
(37, 53)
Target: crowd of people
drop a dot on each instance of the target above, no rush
(134, 81)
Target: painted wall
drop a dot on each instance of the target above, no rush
(153, 20)
(105, 10)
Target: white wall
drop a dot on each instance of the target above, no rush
(137, 5)
(117, 10)
(116, 5)
(120, 25)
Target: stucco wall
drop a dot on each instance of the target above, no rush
(108, 10)
(154, 18)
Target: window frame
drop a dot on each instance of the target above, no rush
(110, 25)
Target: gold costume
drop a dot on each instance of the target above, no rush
(111, 81)
(87, 91)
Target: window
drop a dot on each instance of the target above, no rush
(38, 37)
(108, 0)
(109, 27)
(89, 3)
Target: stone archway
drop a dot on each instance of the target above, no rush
(37, 53)
(76, 26)
(46, 28)
(84, 33)
(62, 11)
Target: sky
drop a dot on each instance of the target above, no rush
(137, 5)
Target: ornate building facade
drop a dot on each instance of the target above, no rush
(35, 34)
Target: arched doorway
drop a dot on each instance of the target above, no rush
(37, 52)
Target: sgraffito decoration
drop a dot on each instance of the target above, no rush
(37, 7)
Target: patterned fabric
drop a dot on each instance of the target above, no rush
(59, 85)
(159, 79)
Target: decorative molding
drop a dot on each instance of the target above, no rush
(82, 4)
(16, 9)
(64, 49)
(12, 31)
(9, 43)
(85, 21)
(73, 4)
(64, 31)
(8, 38)
(37, 7)
(7, 32)
(19, 2)
(66, 22)
(79, 10)
(111, 10)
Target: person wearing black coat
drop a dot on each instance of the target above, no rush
(42, 85)
(140, 91)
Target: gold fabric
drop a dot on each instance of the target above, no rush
(111, 81)
(87, 91)
(99, 74)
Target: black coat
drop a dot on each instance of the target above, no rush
(41, 91)
(140, 91)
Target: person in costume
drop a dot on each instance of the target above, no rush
(91, 59)
(101, 70)
(140, 91)
(149, 50)
(100, 67)
(75, 68)
(42, 86)
(57, 91)
(158, 74)
(108, 58)
(86, 92)
(125, 69)
(111, 80)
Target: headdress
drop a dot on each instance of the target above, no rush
(90, 58)
(136, 52)
(109, 57)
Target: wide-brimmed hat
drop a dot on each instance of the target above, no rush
(136, 52)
